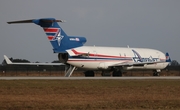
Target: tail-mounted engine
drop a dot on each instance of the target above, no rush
(63, 57)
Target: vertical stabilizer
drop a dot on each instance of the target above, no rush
(55, 34)
(168, 59)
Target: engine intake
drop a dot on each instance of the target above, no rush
(63, 57)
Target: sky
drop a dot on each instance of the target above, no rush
(117, 23)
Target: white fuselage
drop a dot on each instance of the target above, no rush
(96, 58)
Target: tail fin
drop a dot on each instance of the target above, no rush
(168, 59)
(55, 34)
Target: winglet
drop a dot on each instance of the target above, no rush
(7, 60)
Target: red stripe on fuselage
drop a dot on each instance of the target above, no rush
(51, 30)
(97, 55)
(99, 61)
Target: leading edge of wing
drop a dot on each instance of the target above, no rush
(135, 63)
(9, 62)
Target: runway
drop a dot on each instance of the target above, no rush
(87, 78)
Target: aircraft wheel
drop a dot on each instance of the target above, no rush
(89, 73)
(117, 73)
(156, 74)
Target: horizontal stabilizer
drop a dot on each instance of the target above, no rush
(22, 21)
(45, 20)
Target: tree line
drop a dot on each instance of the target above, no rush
(174, 65)
(5, 67)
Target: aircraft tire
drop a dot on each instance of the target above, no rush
(117, 73)
(156, 74)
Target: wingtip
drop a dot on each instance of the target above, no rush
(7, 60)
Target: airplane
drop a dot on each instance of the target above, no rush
(71, 51)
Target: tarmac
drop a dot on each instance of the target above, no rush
(87, 78)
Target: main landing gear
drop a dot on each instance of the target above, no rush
(156, 72)
(117, 73)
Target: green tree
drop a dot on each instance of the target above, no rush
(174, 63)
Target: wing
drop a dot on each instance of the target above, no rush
(9, 62)
(135, 63)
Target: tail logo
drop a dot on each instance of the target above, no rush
(59, 39)
(54, 34)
